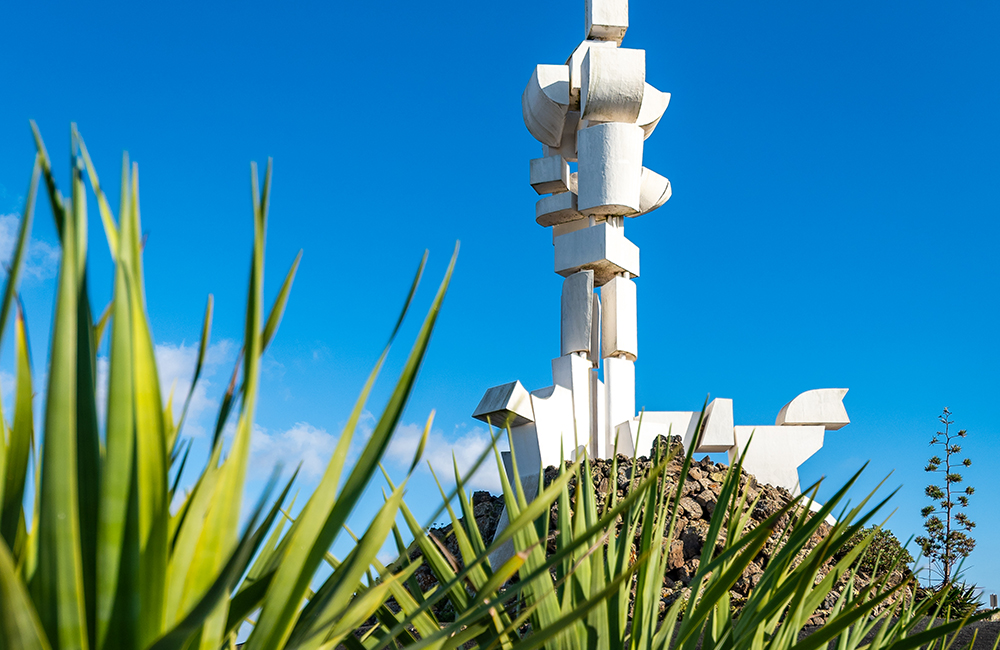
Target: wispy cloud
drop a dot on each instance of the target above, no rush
(42, 260)
(302, 443)
(176, 362)
(466, 446)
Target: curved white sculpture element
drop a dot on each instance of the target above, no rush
(654, 191)
(609, 169)
(612, 84)
(822, 406)
(545, 102)
(556, 209)
(654, 104)
(575, 63)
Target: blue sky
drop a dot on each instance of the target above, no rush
(833, 223)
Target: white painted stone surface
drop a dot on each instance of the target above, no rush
(567, 227)
(573, 372)
(823, 406)
(575, 63)
(654, 191)
(595, 330)
(664, 423)
(610, 168)
(553, 409)
(717, 429)
(776, 452)
(598, 439)
(619, 329)
(556, 209)
(607, 19)
(567, 146)
(507, 404)
(612, 84)
(654, 104)
(619, 390)
(545, 102)
(577, 313)
(601, 248)
(549, 175)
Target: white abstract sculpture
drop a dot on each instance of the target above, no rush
(596, 111)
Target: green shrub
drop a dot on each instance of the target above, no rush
(884, 551)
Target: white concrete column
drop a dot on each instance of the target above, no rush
(577, 313)
(610, 168)
(619, 391)
(619, 334)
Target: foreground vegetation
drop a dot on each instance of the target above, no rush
(93, 556)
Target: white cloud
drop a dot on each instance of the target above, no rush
(176, 364)
(467, 448)
(303, 443)
(42, 259)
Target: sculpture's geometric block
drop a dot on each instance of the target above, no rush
(612, 84)
(607, 20)
(545, 102)
(505, 405)
(649, 424)
(595, 331)
(567, 147)
(577, 313)
(618, 329)
(654, 103)
(717, 428)
(619, 391)
(598, 440)
(573, 372)
(575, 63)
(602, 248)
(822, 406)
(610, 169)
(554, 426)
(549, 175)
(556, 209)
(654, 191)
(776, 452)
(566, 227)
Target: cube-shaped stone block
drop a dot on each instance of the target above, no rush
(612, 84)
(545, 102)
(618, 308)
(549, 175)
(607, 20)
(577, 313)
(556, 209)
(506, 405)
(610, 169)
(602, 248)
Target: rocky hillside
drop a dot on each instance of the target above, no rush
(699, 497)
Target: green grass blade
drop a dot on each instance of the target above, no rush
(179, 635)
(88, 438)
(117, 485)
(55, 197)
(206, 328)
(20, 249)
(107, 218)
(21, 436)
(278, 309)
(19, 624)
(58, 585)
